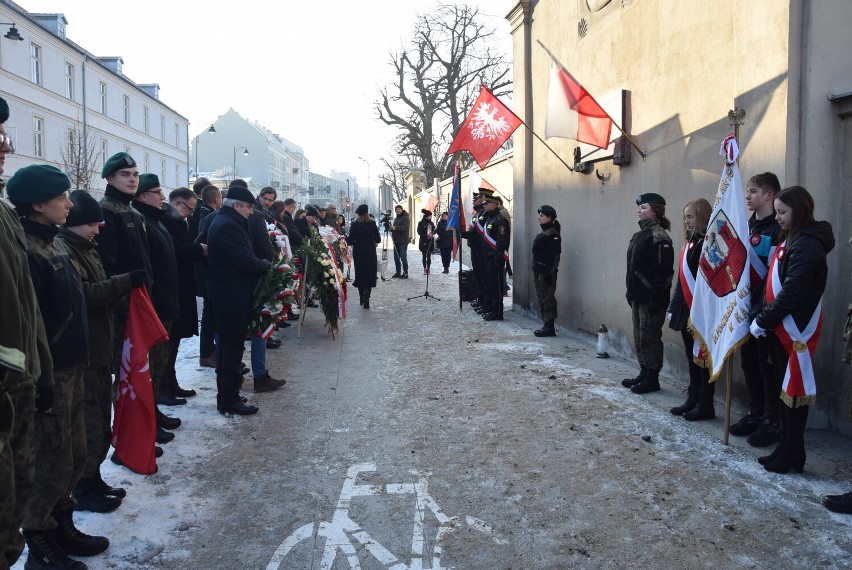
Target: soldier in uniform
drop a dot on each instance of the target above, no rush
(27, 384)
(650, 268)
(474, 241)
(546, 252)
(78, 235)
(496, 236)
(40, 196)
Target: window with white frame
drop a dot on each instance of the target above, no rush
(35, 60)
(145, 125)
(147, 162)
(126, 110)
(38, 137)
(103, 96)
(104, 151)
(69, 80)
(162, 128)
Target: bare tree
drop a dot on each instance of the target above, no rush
(395, 178)
(79, 155)
(437, 81)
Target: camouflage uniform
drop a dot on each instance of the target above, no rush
(22, 328)
(650, 268)
(546, 252)
(60, 435)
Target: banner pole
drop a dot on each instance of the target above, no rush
(728, 389)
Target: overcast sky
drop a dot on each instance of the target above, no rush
(307, 70)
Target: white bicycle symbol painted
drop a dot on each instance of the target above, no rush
(342, 532)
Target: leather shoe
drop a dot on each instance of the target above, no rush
(183, 393)
(766, 434)
(747, 425)
(167, 422)
(839, 503)
(208, 362)
(492, 317)
(272, 343)
(239, 408)
(169, 400)
(164, 436)
(267, 383)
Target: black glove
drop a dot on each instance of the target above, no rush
(44, 398)
(138, 278)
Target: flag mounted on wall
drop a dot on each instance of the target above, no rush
(489, 125)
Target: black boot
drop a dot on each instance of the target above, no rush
(783, 421)
(547, 330)
(366, 298)
(102, 486)
(72, 540)
(839, 503)
(692, 393)
(45, 554)
(704, 409)
(90, 498)
(167, 422)
(360, 296)
(630, 382)
(651, 383)
(792, 456)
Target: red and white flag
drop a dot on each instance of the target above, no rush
(134, 428)
(431, 201)
(721, 300)
(483, 132)
(572, 113)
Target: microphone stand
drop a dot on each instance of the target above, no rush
(426, 293)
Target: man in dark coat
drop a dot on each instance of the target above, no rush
(181, 206)
(197, 214)
(211, 201)
(234, 270)
(292, 231)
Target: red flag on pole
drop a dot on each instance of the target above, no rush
(484, 131)
(134, 428)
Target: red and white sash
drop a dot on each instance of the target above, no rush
(687, 286)
(799, 387)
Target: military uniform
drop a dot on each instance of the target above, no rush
(546, 253)
(475, 243)
(495, 253)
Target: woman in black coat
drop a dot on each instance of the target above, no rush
(363, 238)
(426, 244)
(445, 241)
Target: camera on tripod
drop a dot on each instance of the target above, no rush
(385, 220)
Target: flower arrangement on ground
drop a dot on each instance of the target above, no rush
(276, 290)
(321, 265)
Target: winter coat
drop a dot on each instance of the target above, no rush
(164, 290)
(650, 265)
(122, 243)
(445, 235)
(187, 254)
(101, 294)
(401, 232)
(677, 306)
(22, 326)
(59, 291)
(304, 227)
(292, 231)
(260, 240)
(426, 233)
(200, 267)
(500, 231)
(234, 271)
(803, 272)
(363, 238)
(763, 237)
(547, 249)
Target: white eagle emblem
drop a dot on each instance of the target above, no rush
(486, 123)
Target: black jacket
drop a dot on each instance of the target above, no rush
(445, 235)
(200, 267)
(233, 270)
(363, 237)
(547, 249)
(650, 265)
(187, 254)
(424, 243)
(763, 236)
(59, 291)
(164, 291)
(803, 273)
(122, 244)
(677, 306)
(292, 231)
(260, 240)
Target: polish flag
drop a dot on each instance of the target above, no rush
(572, 113)
(489, 125)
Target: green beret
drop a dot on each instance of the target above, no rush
(116, 162)
(37, 183)
(147, 182)
(650, 198)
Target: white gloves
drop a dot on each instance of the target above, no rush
(755, 330)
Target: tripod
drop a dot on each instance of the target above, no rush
(383, 266)
(426, 293)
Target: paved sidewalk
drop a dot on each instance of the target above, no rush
(424, 436)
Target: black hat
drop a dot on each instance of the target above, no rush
(116, 162)
(426, 212)
(4, 110)
(85, 211)
(485, 193)
(311, 211)
(548, 211)
(650, 198)
(241, 194)
(362, 209)
(37, 183)
(147, 182)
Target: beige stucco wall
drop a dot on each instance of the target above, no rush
(685, 65)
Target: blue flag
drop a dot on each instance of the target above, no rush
(456, 208)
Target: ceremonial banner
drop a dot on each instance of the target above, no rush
(484, 131)
(722, 297)
(134, 428)
(572, 112)
(455, 210)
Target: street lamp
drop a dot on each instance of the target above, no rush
(368, 173)
(212, 129)
(245, 153)
(348, 200)
(12, 34)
